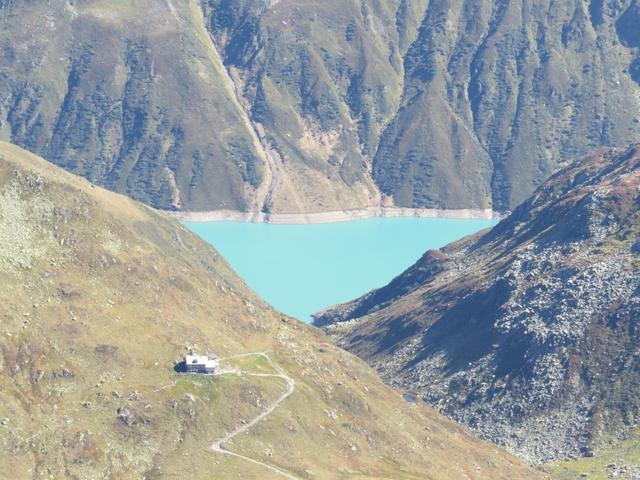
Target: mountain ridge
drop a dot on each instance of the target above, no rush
(524, 332)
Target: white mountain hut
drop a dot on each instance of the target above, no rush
(201, 364)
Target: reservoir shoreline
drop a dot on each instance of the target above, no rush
(333, 217)
(301, 269)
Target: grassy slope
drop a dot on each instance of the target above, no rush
(447, 103)
(121, 91)
(496, 95)
(100, 296)
(601, 466)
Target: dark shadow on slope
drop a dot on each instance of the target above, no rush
(466, 332)
(180, 367)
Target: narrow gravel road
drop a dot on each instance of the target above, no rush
(218, 445)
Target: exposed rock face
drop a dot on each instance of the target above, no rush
(305, 106)
(527, 333)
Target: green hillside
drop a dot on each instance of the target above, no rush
(102, 296)
(307, 105)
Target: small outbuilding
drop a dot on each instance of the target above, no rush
(201, 364)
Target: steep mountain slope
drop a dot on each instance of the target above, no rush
(101, 295)
(134, 96)
(496, 93)
(292, 105)
(131, 95)
(526, 333)
(321, 79)
(451, 103)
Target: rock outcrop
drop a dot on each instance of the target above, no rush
(527, 333)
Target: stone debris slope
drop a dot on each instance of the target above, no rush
(526, 333)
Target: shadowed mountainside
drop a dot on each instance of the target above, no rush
(526, 333)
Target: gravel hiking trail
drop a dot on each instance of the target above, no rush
(218, 445)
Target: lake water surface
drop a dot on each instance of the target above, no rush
(301, 269)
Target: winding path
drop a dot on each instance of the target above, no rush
(218, 445)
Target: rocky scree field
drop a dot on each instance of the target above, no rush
(526, 333)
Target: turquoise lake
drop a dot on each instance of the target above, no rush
(301, 269)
